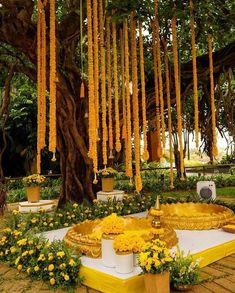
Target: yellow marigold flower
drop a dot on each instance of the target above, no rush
(52, 281)
(60, 215)
(15, 212)
(75, 205)
(51, 274)
(36, 268)
(66, 224)
(51, 267)
(25, 253)
(72, 262)
(28, 270)
(51, 225)
(13, 249)
(45, 223)
(31, 251)
(22, 242)
(33, 220)
(17, 260)
(7, 230)
(19, 268)
(51, 257)
(66, 277)
(62, 266)
(60, 253)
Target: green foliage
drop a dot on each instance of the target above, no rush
(53, 262)
(184, 269)
(228, 159)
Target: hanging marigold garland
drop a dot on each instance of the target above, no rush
(52, 122)
(122, 57)
(115, 77)
(195, 83)
(159, 66)
(129, 170)
(177, 92)
(92, 114)
(213, 111)
(103, 84)
(41, 81)
(109, 78)
(168, 95)
(96, 62)
(142, 74)
(158, 125)
(135, 104)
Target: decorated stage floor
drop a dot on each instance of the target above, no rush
(207, 245)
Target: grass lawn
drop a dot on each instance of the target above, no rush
(222, 193)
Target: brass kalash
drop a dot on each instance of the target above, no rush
(86, 236)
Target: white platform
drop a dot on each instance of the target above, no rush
(26, 207)
(189, 241)
(104, 196)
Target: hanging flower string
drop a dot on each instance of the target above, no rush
(158, 126)
(103, 84)
(122, 57)
(142, 74)
(129, 170)
(109, 77)
(168, 93)
(159, 66)
(195, 83)
(52, 122)
(115, 77)
(213, 111)
(135, 104)
(177, 91)
(92, 122)
(41, 81)
(96, 63)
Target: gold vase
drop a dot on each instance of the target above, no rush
(107, 184)
(157, 283)
(33, 193)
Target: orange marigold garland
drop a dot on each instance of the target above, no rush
(115, 77)
(92, 122)
(96, 62)
(109, 77)
(168, 95)
(135, 104)
(122, 57)
(129, 170)
(213, 111)
(159, 66)
(103, 84)
(195, 83)
(142, 74)
(177, 91)
(41, 81)
(158, 126)
(52, 122)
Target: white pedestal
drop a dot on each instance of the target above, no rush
(104, 196)
(26, 207)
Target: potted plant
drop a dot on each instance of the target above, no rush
(155, 260)
(185, 271)
(111, 227)
(122, 245)
(33, 186)
(107, 179)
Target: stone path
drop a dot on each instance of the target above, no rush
(218, 277)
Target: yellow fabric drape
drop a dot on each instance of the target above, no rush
(177, 92)
(135, 104)
(213, 110)
(109, 78)
(142, 74)
(195, 83)
(159, 66)
(52, 121)
(103, 84)
(129, 170)
(115, 77)
(168, 96)
(92, 114)
(158, 125)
